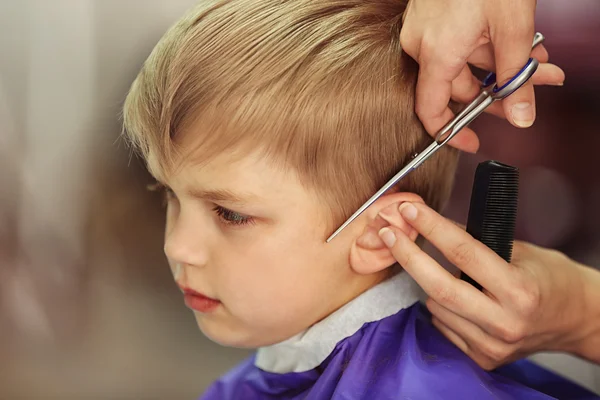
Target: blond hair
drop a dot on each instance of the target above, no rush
(321, 87)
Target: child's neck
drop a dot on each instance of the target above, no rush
(310, 348)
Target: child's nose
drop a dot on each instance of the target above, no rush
(182, 245)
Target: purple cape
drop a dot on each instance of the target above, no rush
(402, 356)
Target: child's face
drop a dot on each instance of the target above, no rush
(263, 255)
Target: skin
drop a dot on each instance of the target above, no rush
(274, 275)
(541, 301)
(444, 36)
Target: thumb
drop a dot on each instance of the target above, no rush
(512, 50)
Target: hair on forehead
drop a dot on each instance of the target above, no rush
(321, 87)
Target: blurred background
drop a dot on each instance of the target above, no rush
(88, 308)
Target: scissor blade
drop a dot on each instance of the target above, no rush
(413, 164)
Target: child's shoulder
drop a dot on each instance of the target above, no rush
(405, 357)
(399, 357)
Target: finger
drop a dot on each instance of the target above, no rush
(496, 110)
(478, 331)
(438, 67)
(433, 93)
(546, 74)
(466, 253)
(481, 338)
(439, 284)
(512, 48)
(540, 53)
(451, 335)
(465, 87)
(470, 332)
(483, 361)
(483, 57)
(431, 100)
(465, 140)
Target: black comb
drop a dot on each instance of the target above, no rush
(493, 209)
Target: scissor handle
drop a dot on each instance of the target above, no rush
(485, 98)
(516, 81)
(490, 79)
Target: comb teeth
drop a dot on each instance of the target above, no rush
(500, 213)
(493, 208)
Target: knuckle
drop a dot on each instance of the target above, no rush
(411, 260)
(433, 51)
(505, 74)
(526, 298)
(426, 49)
(444, 295)
(495, 353)
(432, 306)
(486, 364)
(530, 301)
(462, 254)
(422, 110)
(512, 333)
(408, 41)
(516, 27)
(431, 228)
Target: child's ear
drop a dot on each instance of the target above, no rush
(368, 253)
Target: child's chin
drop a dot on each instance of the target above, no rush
(227, 336)
(234, 337)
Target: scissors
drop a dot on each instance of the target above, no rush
(490, 92)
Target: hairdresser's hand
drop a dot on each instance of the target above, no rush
(542, 301)
(444, 35)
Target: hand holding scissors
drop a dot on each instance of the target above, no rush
(446, 36)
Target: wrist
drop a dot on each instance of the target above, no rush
(587, 339)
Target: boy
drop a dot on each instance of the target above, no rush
(268, 122)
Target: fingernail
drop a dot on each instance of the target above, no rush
(408, 211)
(388, 237)
(522, 114)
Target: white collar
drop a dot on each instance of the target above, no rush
(310, 348)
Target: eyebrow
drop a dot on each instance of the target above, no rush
(223, 195)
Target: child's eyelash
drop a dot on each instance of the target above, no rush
(226, 215)
(231, 217)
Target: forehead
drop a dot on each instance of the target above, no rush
(252, 177)
(236, 172)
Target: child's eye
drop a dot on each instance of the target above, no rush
(231, 217)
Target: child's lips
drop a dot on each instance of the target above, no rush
(198, 301)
